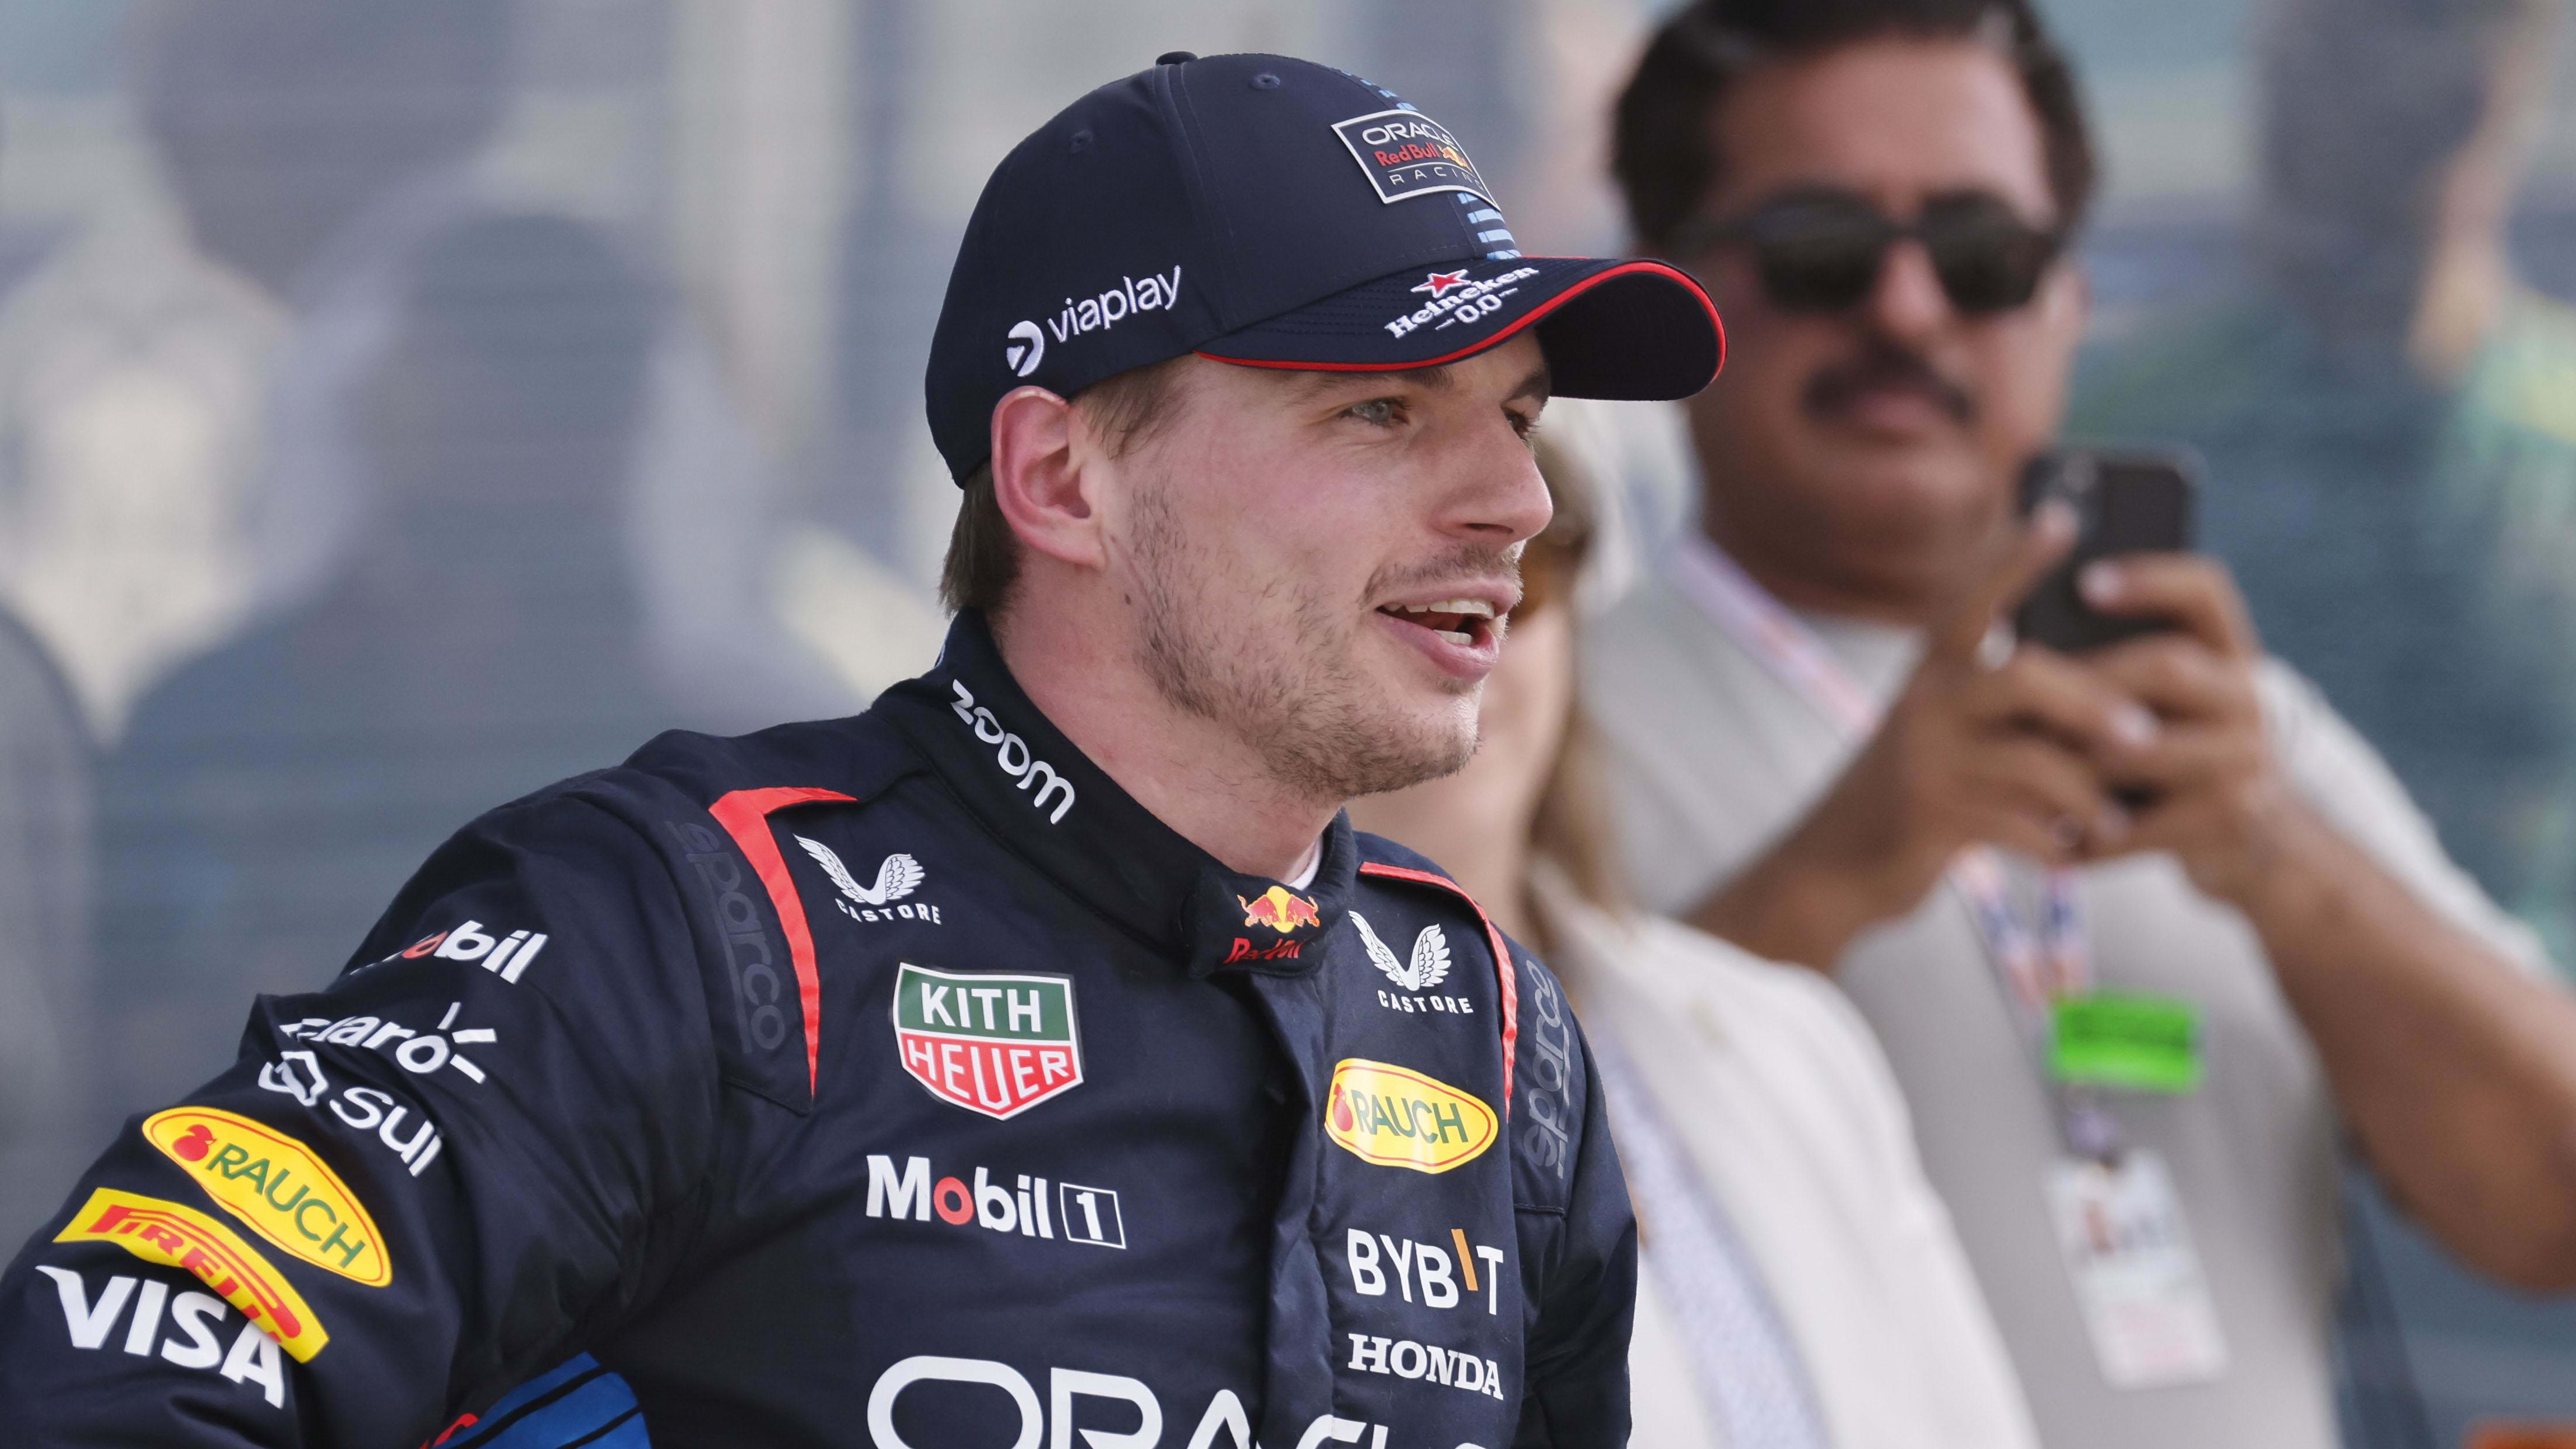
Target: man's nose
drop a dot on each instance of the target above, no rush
(1908, 302)
(1508, 500)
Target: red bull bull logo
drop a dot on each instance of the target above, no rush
(1281, 909)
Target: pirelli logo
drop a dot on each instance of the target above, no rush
(182, 1237)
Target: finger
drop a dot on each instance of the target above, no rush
(2184, 823)
(2193, 590)
(2180, 678)
(2043, 689)
(2182, 761)
(2038, 777)
(2041, 838)
(2050, 533)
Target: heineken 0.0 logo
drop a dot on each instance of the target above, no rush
(989, 1042)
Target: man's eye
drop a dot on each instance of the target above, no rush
(1524, 424)
(1381, 412)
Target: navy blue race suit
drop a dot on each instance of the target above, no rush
(889, 1081)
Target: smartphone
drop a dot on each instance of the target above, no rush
(2125, 501)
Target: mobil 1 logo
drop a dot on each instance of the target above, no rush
(1072, 1211)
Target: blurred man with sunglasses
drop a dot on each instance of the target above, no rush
(2138, 927)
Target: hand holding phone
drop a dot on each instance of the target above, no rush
(2134, 501)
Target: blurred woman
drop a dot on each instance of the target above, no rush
(1800, 1283)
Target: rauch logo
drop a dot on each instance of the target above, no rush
(990, 1043)
(276, 1185)
(1397, 1117)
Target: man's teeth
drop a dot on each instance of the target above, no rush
(1437, 615)
(1477, 607)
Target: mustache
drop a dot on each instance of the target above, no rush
(1463, 564)
(1884, 364)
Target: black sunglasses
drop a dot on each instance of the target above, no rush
(1822, 250)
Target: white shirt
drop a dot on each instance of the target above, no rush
(1785, 1105)
(1713, 758)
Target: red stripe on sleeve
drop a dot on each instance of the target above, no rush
(745, 816)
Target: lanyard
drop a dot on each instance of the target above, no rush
(2038, 966)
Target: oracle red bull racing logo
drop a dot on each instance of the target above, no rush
(1407, 154)
(988, 1042)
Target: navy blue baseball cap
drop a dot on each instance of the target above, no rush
(1272, 212)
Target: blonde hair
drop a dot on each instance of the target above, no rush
(1571, 830)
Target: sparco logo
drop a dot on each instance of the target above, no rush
(1013, 755)
(1548, 1090)
(751, 963)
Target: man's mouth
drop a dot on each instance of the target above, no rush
(1467, 623)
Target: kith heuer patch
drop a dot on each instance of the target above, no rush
(991, 1043)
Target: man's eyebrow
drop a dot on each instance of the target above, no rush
(1427, 379)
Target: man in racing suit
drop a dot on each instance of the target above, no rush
(1041, 1049)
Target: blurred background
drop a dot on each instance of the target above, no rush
(404, 405)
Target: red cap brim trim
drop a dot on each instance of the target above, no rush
(1514, 328)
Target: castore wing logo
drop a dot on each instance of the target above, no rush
(1429, 966)
(897, 876)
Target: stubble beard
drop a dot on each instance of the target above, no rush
(1276, 671)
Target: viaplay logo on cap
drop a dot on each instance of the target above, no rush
(1027, 349)
(1407, 154)
(1027, 343)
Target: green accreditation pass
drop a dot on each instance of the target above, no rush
(2132, 1043)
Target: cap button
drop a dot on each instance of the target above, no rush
(1175, 57)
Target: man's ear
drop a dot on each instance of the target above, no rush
(1039, 477)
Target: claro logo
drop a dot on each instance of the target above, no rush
(1013, 754)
